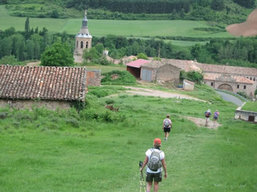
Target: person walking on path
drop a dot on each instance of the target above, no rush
(207, 116)
(166, 126)
(155, 160)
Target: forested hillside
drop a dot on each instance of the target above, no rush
(225, 11)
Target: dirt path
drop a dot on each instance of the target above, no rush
(157, 93)
(201, 122)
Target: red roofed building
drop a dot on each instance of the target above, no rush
(50, 87)
(134, 67)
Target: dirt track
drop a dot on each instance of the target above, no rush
(157, 93)
(247, 28)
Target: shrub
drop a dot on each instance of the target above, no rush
(142, 56)
(118, 78)
(191, 76)
(243, 94)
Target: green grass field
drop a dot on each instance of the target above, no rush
(135, 28)
(250, 106)
(99, 150)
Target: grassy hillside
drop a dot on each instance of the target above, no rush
(98, 150)
(149, 28)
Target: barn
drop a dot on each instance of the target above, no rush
(159, 71)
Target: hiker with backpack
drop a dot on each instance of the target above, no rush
(167, 124)
(207, 116)
(155, 160)
(216, 115)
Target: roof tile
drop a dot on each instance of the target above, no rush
(47, 83)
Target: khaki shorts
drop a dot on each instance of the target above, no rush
(156, 177)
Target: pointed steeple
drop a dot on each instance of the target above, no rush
(84, 28)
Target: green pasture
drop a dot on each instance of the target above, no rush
(106, 68)
(250, 106)
(127, 28)
(99, 150)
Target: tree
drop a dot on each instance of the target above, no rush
(58, 54)
(217, 5)
(27, 28)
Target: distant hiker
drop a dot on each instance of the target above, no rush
(155, 161)
(216, 115)
(166, 126)
(207, 116)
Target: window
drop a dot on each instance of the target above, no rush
(250, 78)
(238, 86)
(211, 83)
(244, 86)
(254, 79)
(86, 44)
(81, 44)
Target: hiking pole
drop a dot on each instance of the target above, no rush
(141, 180)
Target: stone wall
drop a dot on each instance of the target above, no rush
(246, 115)
(29, 104)
(188, 85)
(167, 73)
(94, 78)
(236, 87)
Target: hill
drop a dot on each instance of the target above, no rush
(225, 11)
(99, 150)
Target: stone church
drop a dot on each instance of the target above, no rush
(83, 40)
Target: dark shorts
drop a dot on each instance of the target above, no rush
(215, 118)
(156, 177)
(166, 129)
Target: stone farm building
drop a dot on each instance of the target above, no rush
(50, 87)
(231, 78)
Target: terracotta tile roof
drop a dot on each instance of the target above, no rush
(228, 69)
(46, 83)
(137, 63)
(226, 78)
(153, 64)
(186, 65)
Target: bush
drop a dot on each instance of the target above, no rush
(243, 94)
(142, 56)
(118, 78)
(191, 76)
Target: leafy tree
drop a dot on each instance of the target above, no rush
(91, 54)
(58, 54)
(246, 3)
(217, 5)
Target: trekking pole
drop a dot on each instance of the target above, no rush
(141, 180)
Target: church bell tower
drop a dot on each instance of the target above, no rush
(83, 40)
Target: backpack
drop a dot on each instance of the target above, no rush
(154, 162)
(207, 114)
(166, 123)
